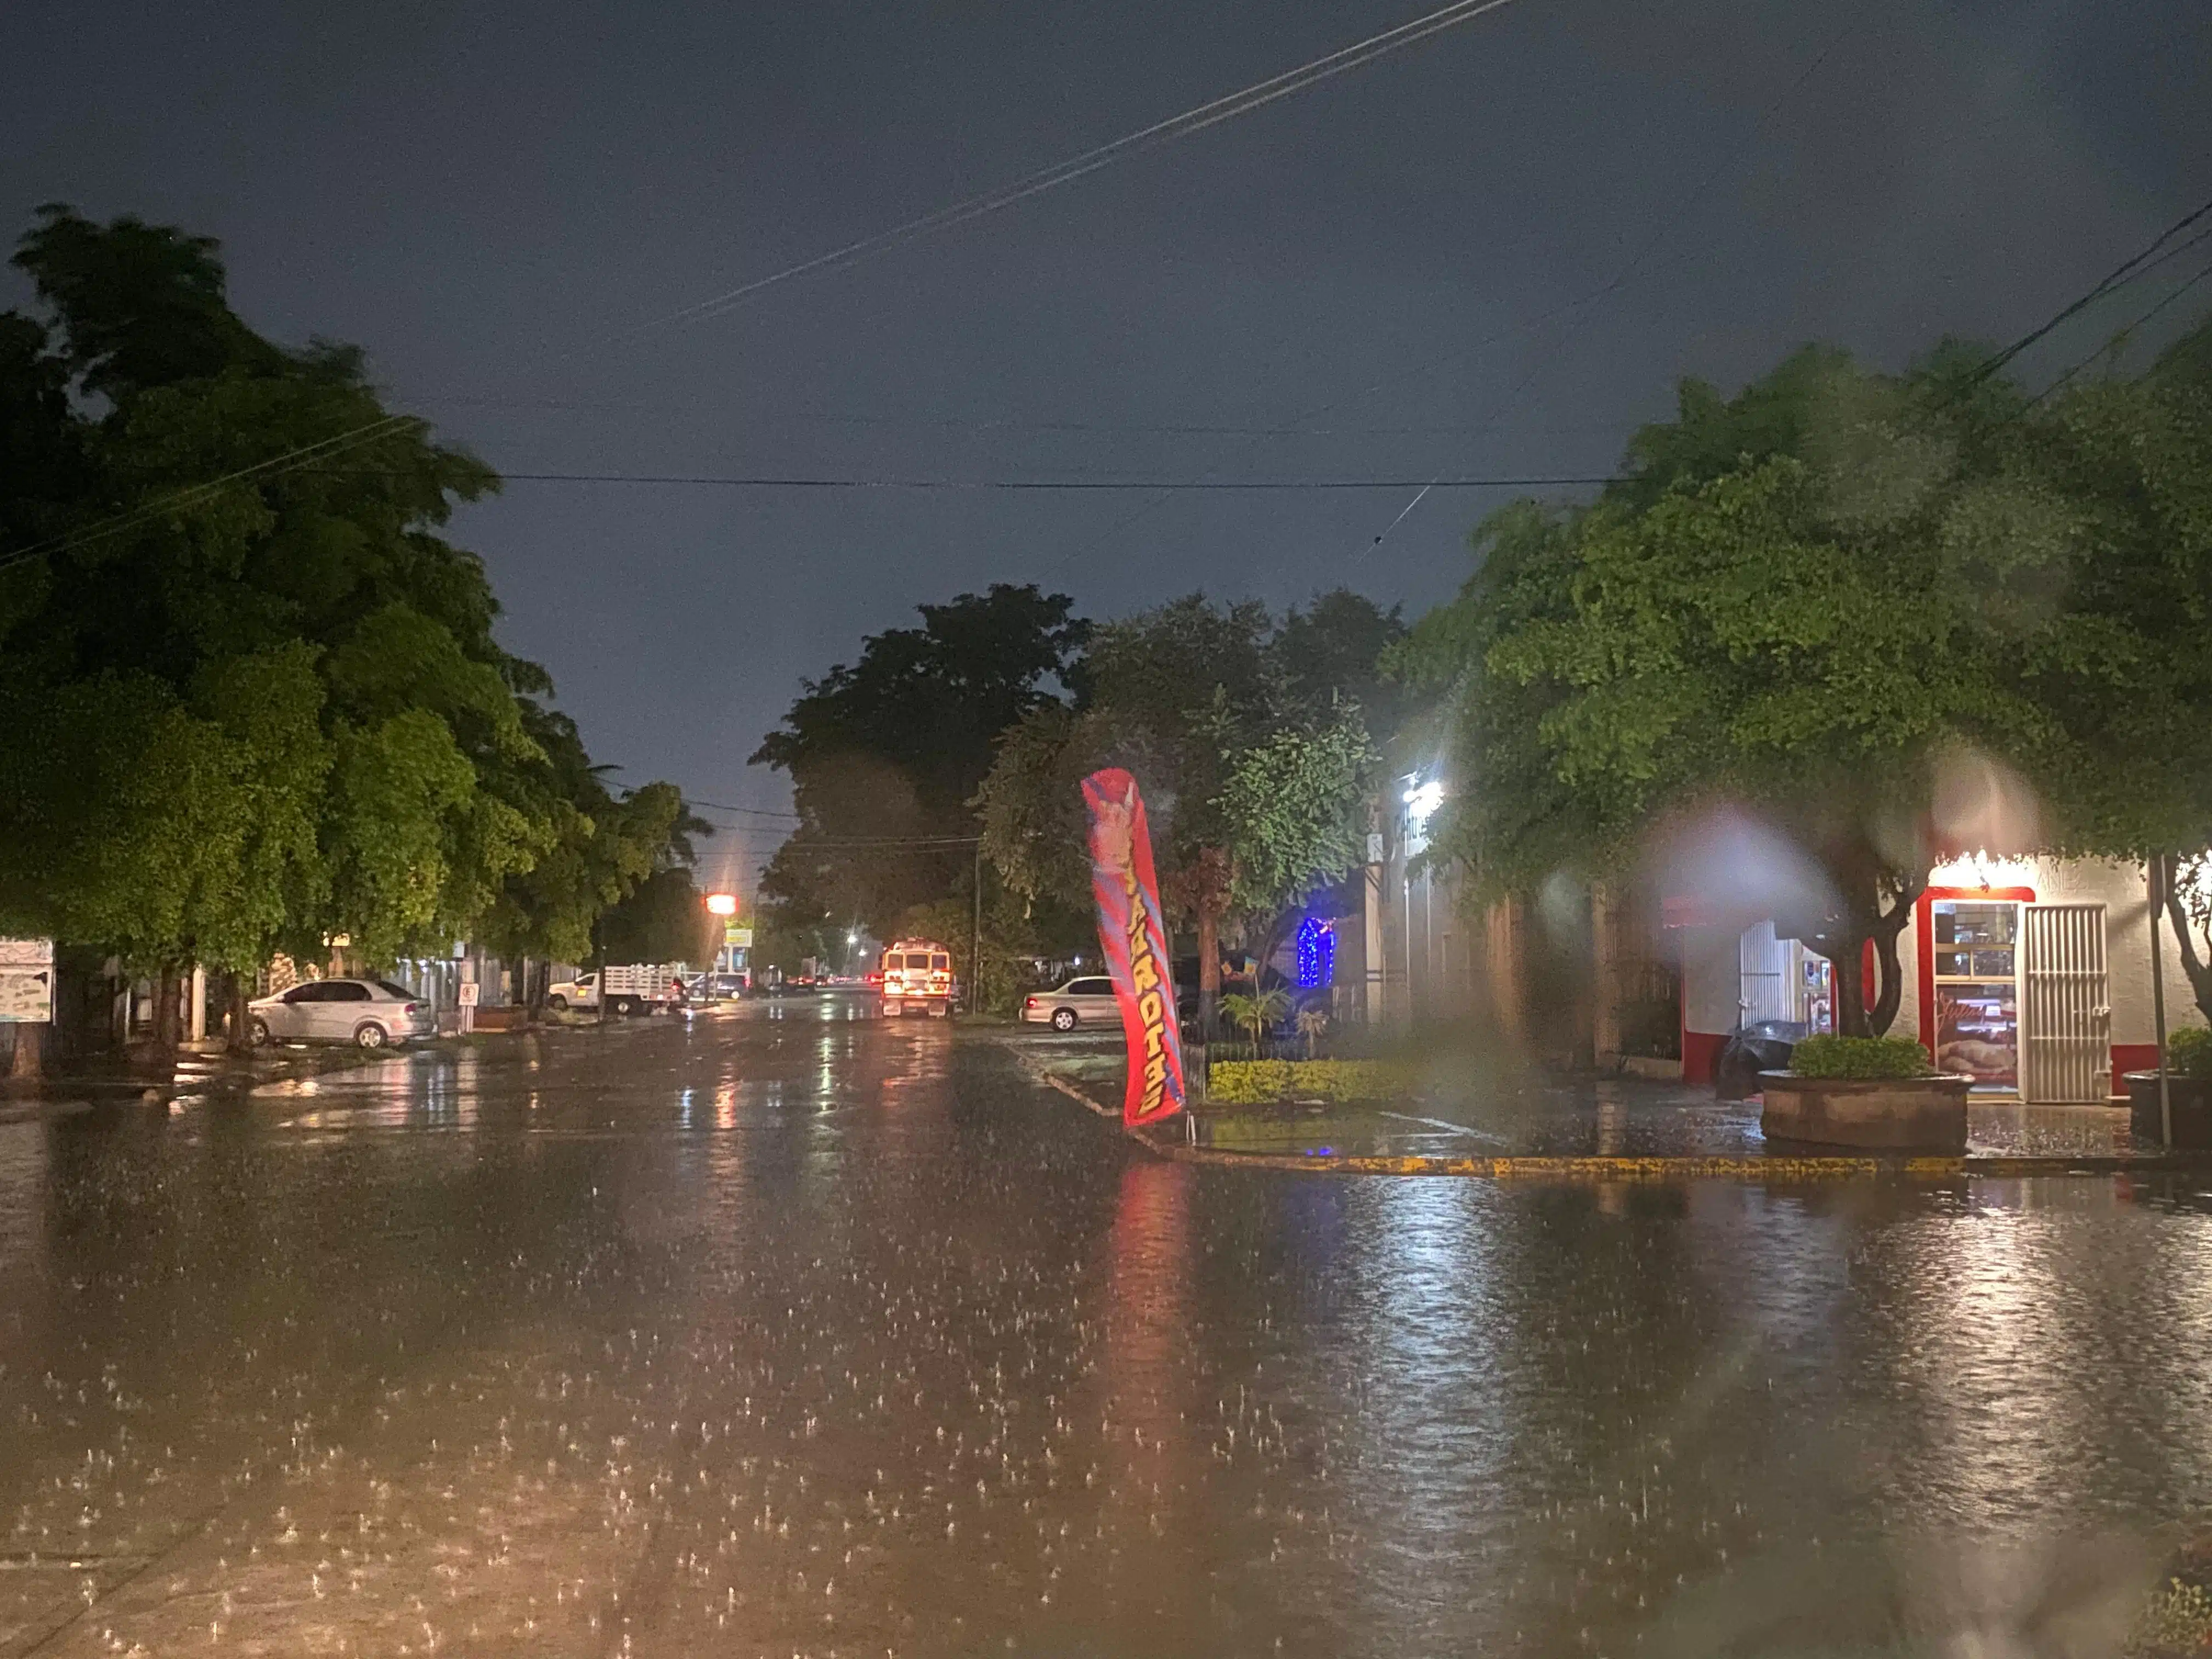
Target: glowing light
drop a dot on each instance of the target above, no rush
(722, 904)
(1422, 802)
(1316, 953)
(1978, 869)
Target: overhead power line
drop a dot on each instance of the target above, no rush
(2124, 333)
(769, 481)
(1176, 127)
(977, 423)
(2128, 271)
(287, 461)
(750, 811)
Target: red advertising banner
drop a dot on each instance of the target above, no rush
(1134, 936)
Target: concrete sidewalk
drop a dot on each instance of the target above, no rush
(1470, 1117)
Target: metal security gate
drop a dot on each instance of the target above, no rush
(1763, 965)
(2066, 1015)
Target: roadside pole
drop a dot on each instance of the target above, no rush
(2158, 876)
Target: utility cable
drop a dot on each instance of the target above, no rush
(1176, 127)
(289, 460)
(770, 481)
(751, 811)
(1668, 225)
(2126, 272)
(2120, 337)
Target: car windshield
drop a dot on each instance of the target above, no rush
(399, 990)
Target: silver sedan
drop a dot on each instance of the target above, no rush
(1088, 1001)
(369, 1013)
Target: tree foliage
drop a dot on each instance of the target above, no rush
(255, 702)
(887, 751)
(1809, 599)
(1255, 759)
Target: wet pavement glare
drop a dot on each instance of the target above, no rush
(789, 1331)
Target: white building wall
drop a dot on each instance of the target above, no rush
(2123, 892)
(1907, 1022)
(1712, 965)
(1711, 978)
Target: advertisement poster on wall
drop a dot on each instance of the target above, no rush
(26, 981)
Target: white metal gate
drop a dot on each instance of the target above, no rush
(1763, 965)
(2065, 1014)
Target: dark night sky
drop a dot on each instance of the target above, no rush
(482, 194)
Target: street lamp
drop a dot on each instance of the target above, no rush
(722, 904)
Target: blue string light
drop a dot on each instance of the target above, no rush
(1316, 951)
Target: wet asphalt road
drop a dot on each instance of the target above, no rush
(790, 1333)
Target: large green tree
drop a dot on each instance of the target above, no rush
(884, 753)
(225, 589)
(1806, 599)
(1254, 758)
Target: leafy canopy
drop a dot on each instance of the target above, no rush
(888, 750)
(292, 716)
(1245, 736)
(1809, 599)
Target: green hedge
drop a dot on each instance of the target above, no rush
(1871, 1057)
(1258, 1082)
(2189, 1053)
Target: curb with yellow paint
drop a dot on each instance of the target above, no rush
(1720, 1167)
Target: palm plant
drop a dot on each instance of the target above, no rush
(1257, 1012)
(1313, 1020)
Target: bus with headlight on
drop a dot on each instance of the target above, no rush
(917, 978)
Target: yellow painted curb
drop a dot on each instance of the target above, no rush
(1724, 1167)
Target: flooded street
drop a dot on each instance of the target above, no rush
(793, 1333)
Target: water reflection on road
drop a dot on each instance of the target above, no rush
(794, 1333)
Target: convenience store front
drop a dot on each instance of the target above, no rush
(2031, 976)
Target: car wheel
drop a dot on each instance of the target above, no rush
(558, 1005)
(369, 1034)
(1063, 1019)
(256, 1031)
(625, 1006)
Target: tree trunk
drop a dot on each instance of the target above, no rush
(2198, 968)
(1848, 960)
(236, 994)
(29, 1059)
(169, 992)
(1209, 969)
(1864, 878)
(1210, 880)
(1892, 994)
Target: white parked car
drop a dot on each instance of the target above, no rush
(369, 1013)
(1086, 1001)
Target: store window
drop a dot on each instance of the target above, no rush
(1975, 949)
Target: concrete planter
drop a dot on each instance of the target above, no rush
(1903, 1114)
(2191, 1100)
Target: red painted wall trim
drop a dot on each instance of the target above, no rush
(2132, 1057)
(1923, 939)
(1701, 1053)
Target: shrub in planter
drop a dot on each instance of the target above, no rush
(2188, 1089)
(1864, 1092)
(1866, 1057)
(1263, 1082)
